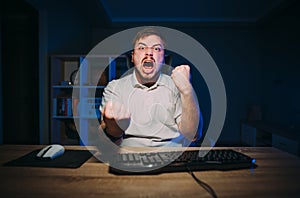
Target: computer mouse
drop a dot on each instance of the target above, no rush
(51, 152)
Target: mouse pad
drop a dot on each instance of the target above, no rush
(70, 159)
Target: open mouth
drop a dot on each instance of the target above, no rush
(148, 64)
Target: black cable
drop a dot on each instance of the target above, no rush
(202, 184)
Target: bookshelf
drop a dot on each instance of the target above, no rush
(77, 84)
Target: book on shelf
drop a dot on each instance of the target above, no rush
(89, 107)
(62, 106)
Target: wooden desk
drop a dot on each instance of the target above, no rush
(277, 175)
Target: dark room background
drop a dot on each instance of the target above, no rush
(259, 62)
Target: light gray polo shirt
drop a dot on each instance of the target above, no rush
(155, 111)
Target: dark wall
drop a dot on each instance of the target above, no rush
(258, 63)
(69, 32)
(279, 45)
(239, 51)
(19, 68)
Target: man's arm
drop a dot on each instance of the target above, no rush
(115, 117)
(190, 116)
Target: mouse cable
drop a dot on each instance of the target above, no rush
(202, 184)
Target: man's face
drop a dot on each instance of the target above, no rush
(148, 56)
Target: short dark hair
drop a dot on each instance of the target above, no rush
(147, 32)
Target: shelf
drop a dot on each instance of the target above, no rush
(77, 87)
(62, 86)
(75, 117)
(63, 117)
(89, 82)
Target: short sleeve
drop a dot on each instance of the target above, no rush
(178, 108)
(110, 94)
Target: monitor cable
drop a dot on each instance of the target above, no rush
(202, 184)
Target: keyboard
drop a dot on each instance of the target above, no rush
(178, 161)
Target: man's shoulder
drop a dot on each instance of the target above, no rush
(123, 80)
(166, 80)
(166, 77)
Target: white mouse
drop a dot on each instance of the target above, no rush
(51, 152)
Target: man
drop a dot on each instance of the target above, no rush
(147, 107)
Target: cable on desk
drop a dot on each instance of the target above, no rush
(202, 184)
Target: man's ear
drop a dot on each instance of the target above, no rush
(132, 56)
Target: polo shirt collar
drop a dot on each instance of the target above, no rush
(136, 84)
